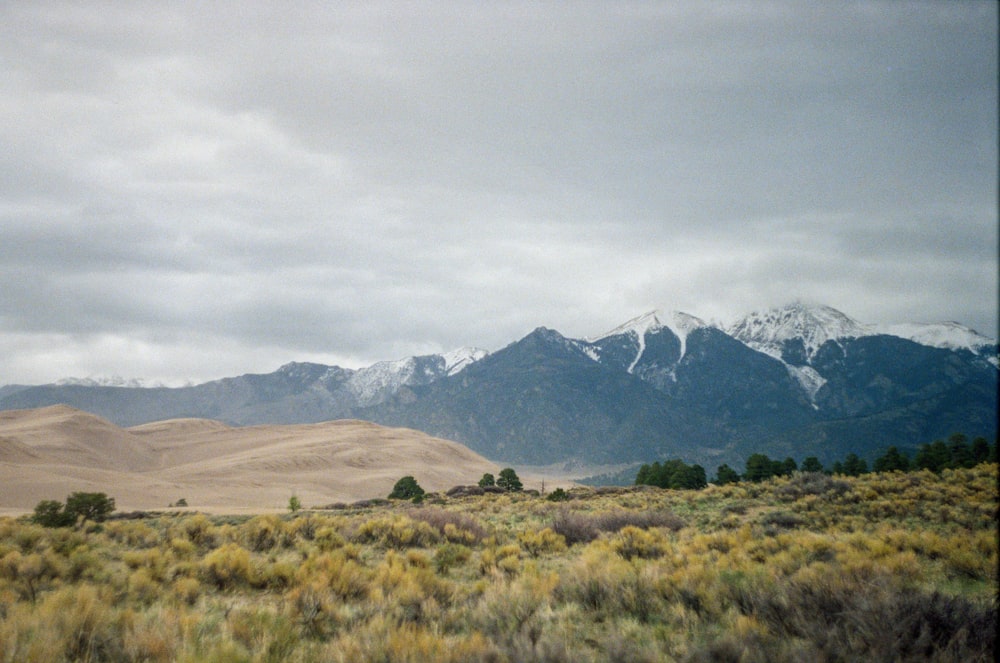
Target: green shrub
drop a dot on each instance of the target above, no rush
(406, 488)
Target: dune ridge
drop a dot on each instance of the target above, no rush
(49, 452)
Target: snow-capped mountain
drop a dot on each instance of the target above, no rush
(374, 383)
(638, 329)
(797, 380)
(108, 381)
(769, 331)
(947, 335)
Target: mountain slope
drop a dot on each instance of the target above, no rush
(542, 400)
(780, 381)
(295, 393)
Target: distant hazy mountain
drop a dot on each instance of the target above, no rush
(798, 380)
(295, 393)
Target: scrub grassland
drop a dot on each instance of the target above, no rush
(884, 566)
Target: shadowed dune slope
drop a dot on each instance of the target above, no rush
(49, 452)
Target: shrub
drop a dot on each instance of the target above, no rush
(541, 542)
(227, 567)
(558, 495)
(397, 532)
(263, 533)
(487, 480)
(450, 555)
(454, 526)
(406, 488)
(632, 542)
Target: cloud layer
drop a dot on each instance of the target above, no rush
(191, 192)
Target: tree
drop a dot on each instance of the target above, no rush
(509, 481)
(854, 466)
(690, 477)
(406, 488)
(50, 513)
(891, 461)
(812, 464)
(726, 474)
(934, 456)
(487, 481)
(294, 504)
(643, 476)
(960, 455)
(759, 467)
(90, 506)
(980, 450)
(788, 467)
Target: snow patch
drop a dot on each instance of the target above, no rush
(767, 331)
(680, 324)
(458, 360)
(810, 380)
(947, 335)
(108, 381)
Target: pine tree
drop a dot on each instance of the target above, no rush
(509, 481)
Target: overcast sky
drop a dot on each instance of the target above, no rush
(196, 190)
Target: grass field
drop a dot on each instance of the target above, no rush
(894, 566)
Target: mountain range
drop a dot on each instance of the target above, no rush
(794, 381)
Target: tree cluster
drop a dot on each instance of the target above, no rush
(954, 453)
(86, 506)
(508, 480)
(407, 488)
(672, 474)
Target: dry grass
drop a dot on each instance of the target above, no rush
(880, 567)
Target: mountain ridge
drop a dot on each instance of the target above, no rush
(657, 384)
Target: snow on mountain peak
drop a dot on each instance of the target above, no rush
(457, 360)
(950, 335)
(638, 326)
(108, 381)
(815, 325)
(681, 324)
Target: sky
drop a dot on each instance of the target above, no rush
(190, 191)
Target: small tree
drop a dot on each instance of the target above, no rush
(406, 488)
(90, 506)
(759, 467)
(487, 481)
(557, 495)
(726, 474)
(294, 504)
(892, 461)
(980, 450)
(50, 513)
(854, 466)
(509, 481)
(812, 464)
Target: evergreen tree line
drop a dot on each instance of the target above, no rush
(956, 452)
(672, 474)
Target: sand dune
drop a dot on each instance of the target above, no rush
(50, 452)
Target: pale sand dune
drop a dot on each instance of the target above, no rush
(51, 452)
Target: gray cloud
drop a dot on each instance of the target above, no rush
(191, 191)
